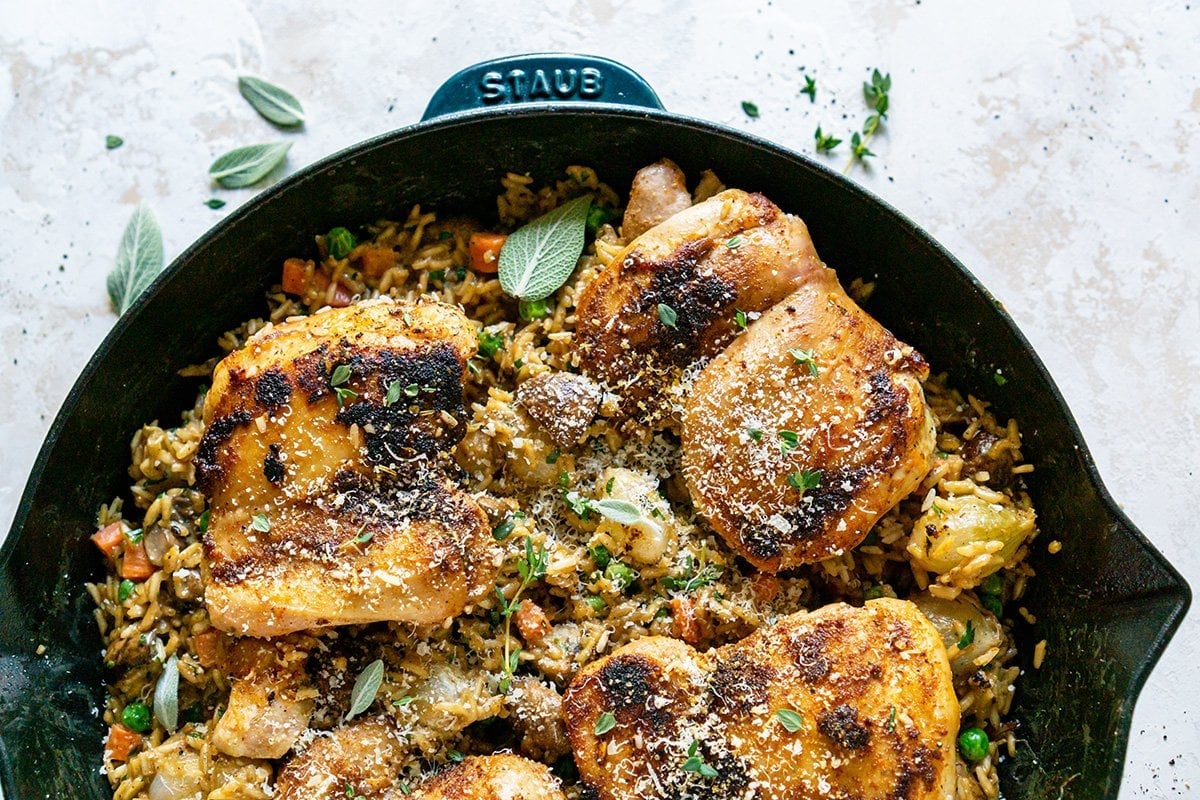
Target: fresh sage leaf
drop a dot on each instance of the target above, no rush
(618, 511)
(366, 686)
(139, 259)
(275, 104)
(166, 695)
(538, 258)
(790, 720)
(248, 165)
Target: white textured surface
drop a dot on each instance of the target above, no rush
(1051, 145)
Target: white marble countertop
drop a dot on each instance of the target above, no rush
(1051, 145)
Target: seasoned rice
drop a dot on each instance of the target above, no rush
(454, 670)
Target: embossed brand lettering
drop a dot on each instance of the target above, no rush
(518, 85)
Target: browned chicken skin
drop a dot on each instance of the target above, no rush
(870, 691)
(331, 504)
(499, 777)
(734, 251)
(268, 708)
(806, 429)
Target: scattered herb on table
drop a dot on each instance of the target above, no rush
(750, 109)
(539, 258)
(139, 259)
(876, 94)
(826, 143)
(810, 88)
(275, 104)
(214, 203)
(112, 142)
(248, 165)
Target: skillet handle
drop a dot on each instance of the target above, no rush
(541, 78)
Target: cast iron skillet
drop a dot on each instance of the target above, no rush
(1107, 605)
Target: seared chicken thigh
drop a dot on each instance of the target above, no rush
(499, 777)
(364, 755)
(670, 298)
(326, 461)
(841, 702)
(806, 429)
(269, 702)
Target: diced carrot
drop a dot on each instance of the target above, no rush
(295, 276)
(531, 622)
(121, 742)
(136, 565)
(341, 295)
(109, 538)
(374, 260)
(765, 587)
(684, 624)
(207, 647)
(485, 252)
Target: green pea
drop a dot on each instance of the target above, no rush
(595, 603)
(339, 242)
(136, 717)
(620, 575)
(596, 217)
(125, 589)
(534, 309)
(992, 584)
(973, 744)
(489, 343)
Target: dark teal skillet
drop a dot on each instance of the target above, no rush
(1107, 605)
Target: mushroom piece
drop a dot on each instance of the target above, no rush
(562, 403)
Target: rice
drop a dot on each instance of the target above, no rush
(455, 670)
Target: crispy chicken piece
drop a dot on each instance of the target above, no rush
(670, 297)
(365, 755)
(498, 777)
(659, 192)
(325, 457)
(806, 429)
(869, 690)
(268, 706)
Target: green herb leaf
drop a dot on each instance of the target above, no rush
(125, 590)
(261, 523)
(403, 701)
(166, 695)
(999, 378)
(393, 394)
(553, 457)
(693, 578)
(202, 523)
(502, 530)
(608, 485)
(858, 147)
(605, 723)
(791, 440)
(112, 142)
(539, 258)
(739, 318)
(750, 109)
(667, 315)
(139, 259)
(489, 343)
(825, 143)
(790, 720)
(755, 433)
(364, 535)
(734, 243)
(619, 511)
(340, 374)
(134, 536)
(344, 394)
(968, 636)
(810, 89)
(214, 203)
(805, 479)
(891, 723)
(366, 686)
(805, 357)
(455, 756)
(600, 555)
(412, 390)
(275, 104)
(248, 165)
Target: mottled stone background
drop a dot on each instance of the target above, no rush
(1051, 145)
